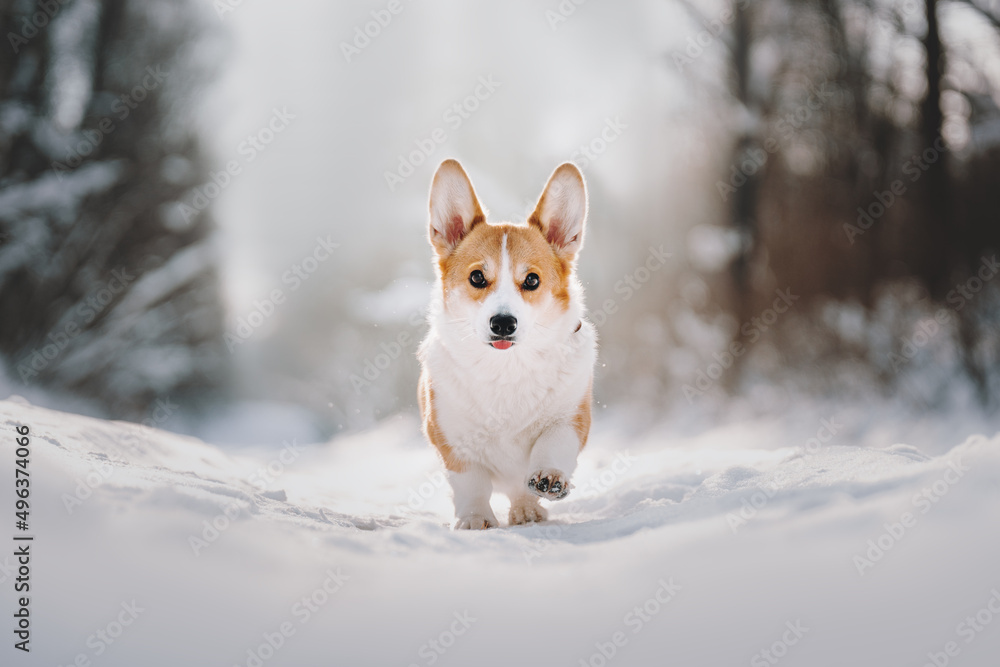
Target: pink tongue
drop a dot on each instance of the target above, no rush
(502, 344)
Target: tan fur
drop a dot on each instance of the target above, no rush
(431, 429)
(529, 252)
(581, 421)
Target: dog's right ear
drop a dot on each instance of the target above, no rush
(454, 208)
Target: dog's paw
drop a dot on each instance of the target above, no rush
(550, 484)
(526, 510)
(475, 522)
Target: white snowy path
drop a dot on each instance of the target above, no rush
(552, 594)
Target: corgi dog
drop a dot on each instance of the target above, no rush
(508, 364)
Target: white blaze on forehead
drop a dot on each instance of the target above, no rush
(504, 299)
(506, 274)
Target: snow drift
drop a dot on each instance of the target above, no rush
(156, 549)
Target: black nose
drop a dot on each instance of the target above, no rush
(503, 325)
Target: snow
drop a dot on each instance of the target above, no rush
(664, 520)
(184, 267)
(61, 195)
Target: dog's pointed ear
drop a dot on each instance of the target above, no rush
(561, 211)
(454, 208)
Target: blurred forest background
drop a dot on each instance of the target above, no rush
(221, 206)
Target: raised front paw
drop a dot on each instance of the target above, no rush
(475, 522)
(550, 484)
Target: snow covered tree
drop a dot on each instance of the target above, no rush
(108, 286)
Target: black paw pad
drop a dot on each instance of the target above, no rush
(549, 485)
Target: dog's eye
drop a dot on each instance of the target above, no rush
(531, 282)
(477, 279)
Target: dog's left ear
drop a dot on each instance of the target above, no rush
(562, 210)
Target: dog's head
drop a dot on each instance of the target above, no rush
(506, 284)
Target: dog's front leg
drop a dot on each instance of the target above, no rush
(552, 461)
(472, 489)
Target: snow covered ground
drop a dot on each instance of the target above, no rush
(744, 543)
